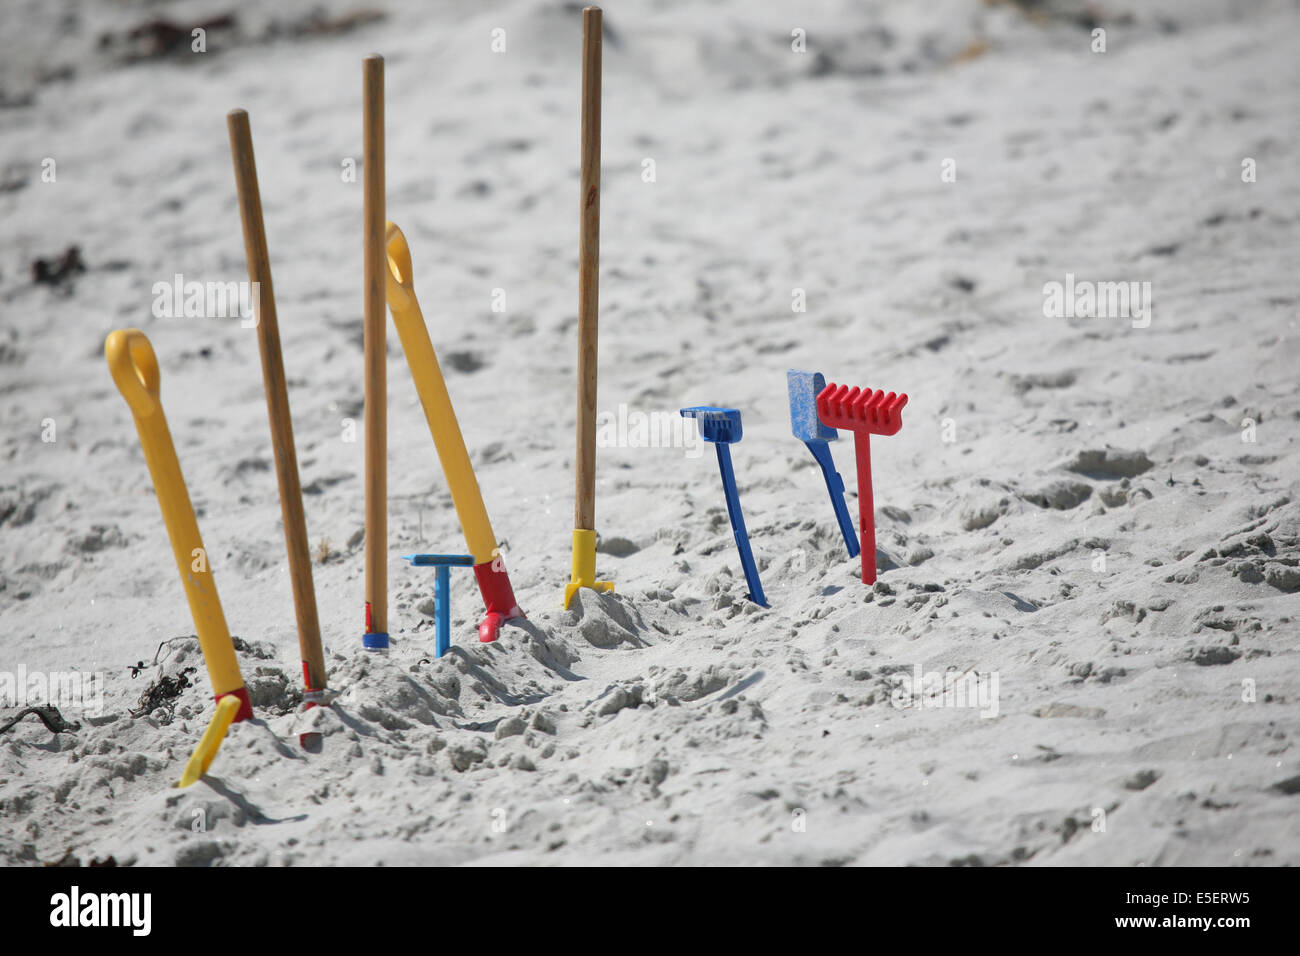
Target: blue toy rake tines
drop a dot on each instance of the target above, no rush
(722, 427)
(442, 563)
(803, 388)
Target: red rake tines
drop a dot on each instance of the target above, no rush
(865, 412)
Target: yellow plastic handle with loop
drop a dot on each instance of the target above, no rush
(134, 367)
(432, 389)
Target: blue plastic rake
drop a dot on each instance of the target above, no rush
(721, 426)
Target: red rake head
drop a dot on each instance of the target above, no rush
(860, 410)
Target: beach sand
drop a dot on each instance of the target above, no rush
(1093, 520)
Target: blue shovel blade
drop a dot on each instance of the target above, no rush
(804, 388)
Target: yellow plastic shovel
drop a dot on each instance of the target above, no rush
(489, 568)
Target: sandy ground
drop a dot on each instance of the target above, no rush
(1075, 508)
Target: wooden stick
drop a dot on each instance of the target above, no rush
(584, 507)
(277, 400)
(375, 340)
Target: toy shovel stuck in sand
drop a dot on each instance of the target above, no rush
(134, 368)
(583, 565)
(489, 568)
(722, 427)
(807, 427)
(866, 412)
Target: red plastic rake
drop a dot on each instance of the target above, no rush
(865, 412)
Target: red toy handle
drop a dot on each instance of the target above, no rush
(866, 507)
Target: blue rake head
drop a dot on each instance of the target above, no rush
(719, 425)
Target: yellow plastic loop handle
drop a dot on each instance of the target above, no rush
(134, 368)
(432, 389)
(401, 285)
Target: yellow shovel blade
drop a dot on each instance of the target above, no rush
(207, 749)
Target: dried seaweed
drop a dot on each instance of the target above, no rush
(163, 693)
(50, 717)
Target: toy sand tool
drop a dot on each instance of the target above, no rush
(803, 388)
(375, 346)
(583, 573)
(489, 568)
(277, 406)
(865, 412)
(722, 427)
(134, 367)
(442, 565)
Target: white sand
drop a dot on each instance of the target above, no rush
(1125, 617)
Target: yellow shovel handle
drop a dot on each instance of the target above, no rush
(134, 367)
(409, 320)
(400, 287)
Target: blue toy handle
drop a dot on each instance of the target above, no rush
(835, 485)
(442, 609)
(738, 525)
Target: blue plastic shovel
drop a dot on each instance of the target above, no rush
(722, 427)
(808, 428)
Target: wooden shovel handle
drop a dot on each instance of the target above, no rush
(277, 400)
(375, 339)
(584, 510)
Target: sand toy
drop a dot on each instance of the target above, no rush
(374, 344)
(865, 412)
(721, 426)
(310, 650)
(583, 565)
(803, 388)
(489, 566)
